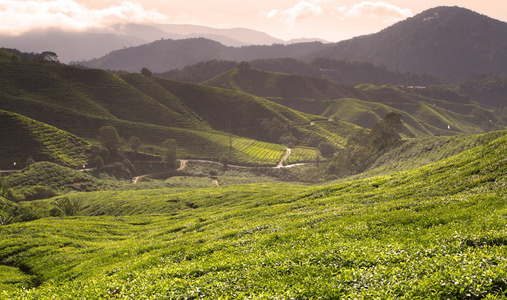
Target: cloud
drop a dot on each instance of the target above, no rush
(302, 10)
(367, 9)
(26, 15)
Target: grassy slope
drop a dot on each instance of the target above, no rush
(243, 113)
(22, 137)
(437, 231)
(412, 153)
(363, 105)
(81, 101)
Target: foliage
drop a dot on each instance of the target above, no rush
(171, 152)
(70, 206)
(363, 147)
(108, 136)
(134, 143)
(146, 72)
(327, 149)
(37, 192)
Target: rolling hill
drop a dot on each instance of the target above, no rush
(344, 72)
(206, 121)
(363, 105)
(22, 137)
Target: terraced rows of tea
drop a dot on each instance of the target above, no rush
(434, 232)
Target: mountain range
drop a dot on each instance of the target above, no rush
(77, 46)
(447, 42)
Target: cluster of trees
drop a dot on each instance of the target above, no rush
(47, 57)
(276, 131)
(113, 148)
(363, 146)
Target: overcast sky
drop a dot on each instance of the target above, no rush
(332, 20)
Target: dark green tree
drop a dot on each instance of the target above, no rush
(384, 133)
(134, 143)
(109, 138)
(146, 72)
(171, 152)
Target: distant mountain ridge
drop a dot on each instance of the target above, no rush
(447, 42)
(451, 43)
(165, 55)
(78, 46)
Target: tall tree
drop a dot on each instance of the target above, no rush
(171, 152)
(109, 138)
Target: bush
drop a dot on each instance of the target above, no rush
(38, 192)
(69, 206)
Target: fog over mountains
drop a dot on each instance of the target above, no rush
(77, 46)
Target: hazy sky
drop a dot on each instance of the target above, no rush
(332, 20)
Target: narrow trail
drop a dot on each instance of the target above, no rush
(284, 158)
(183, 165)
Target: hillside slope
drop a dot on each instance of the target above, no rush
(22, 137)
(435, 231)
(207, 122)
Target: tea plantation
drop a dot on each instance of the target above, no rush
(433, 232)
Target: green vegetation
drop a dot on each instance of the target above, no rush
(23, 138)
(432, 232)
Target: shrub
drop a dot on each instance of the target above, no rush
(69, 206)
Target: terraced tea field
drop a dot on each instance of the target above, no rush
(434, 232)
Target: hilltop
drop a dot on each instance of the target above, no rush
(447, 42)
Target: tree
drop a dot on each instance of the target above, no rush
(29, 161)
(47, 57)
(134, 143)
(109, 138)
(146, 72)
(327, 149)
(224, 160)
(171, 152)
(362, 147)
(384, 133)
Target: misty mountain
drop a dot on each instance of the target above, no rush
(164, 55)
(77, 46)
(243, 36)
(448, 42)
(70, 45)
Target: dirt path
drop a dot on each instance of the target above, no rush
(183, 165)
(284, 158)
